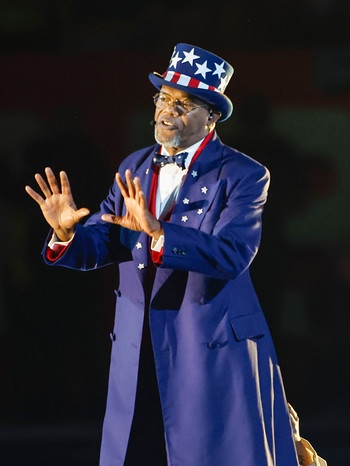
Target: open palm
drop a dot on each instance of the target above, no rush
(57, 204)
(137, 216)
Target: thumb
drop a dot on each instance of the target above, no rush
(80, 213)
(111, 218)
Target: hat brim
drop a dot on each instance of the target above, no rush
(218, 100)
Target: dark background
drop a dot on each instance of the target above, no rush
(75, 95)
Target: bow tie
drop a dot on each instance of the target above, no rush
(161, 160)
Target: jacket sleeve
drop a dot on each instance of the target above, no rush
(96, 243)
(232, 246)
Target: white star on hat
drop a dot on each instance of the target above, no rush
(202, 69)
(223, 83)
(174, 59)
(219, 69)
(189, 57)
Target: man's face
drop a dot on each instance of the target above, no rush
(177, 129)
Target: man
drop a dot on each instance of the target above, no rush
(184, 238)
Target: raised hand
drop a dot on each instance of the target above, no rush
(57, 204)
(137, 216)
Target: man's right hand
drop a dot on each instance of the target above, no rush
(57, 204)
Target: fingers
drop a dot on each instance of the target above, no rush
(138, 191)
(65, 185)
(292, 412)
(142, 200)
(34, 195)
(121, 185)
(130, 184)
(50, 187)
(294, 419)
(42, 185)
(131, 188)
(52, 181)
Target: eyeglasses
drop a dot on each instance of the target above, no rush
(162, 100)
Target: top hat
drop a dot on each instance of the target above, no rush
(199, 73)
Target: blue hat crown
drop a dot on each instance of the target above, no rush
(196, 67)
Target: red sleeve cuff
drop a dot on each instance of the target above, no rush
(157, 257)
(53, 254)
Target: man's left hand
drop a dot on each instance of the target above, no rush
(137, 216)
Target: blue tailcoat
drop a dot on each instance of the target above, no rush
(220, 385)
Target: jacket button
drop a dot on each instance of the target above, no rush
(212, 345)
(179, 251)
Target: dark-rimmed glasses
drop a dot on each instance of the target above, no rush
(162, 100)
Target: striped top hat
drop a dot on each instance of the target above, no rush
(199, 73)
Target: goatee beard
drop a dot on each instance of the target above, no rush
(173, 142)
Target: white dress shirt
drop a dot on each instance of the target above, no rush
(170, 180)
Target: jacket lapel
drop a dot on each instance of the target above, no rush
(200, 188)
(138, 242)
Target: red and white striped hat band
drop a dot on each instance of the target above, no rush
(187, 81)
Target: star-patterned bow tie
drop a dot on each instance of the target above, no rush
(161, 160)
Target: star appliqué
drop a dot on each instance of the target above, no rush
(223, 83)
(194, 173)
(204, 190)
(184, 218)
(190, 57)
(199, 211)
(219, 69)
(186, 201)
(202, 69)
(174, 60)
(138, 245)
(141, 266)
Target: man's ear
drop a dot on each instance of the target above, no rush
(213, 117)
